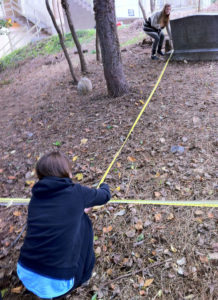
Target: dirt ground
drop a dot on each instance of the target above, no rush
(143, 252)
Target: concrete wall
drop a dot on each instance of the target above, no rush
(2, 13)
(130, 8)
(36, 9)
(82, 17)
(176, 4)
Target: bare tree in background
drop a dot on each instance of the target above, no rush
(65, 6)
(152, 4)
(143, 10)
(75, 81)
(199, 5)
(61, 23)
(97, 47)
(110, 47)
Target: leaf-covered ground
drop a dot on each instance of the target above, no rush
(143, 252)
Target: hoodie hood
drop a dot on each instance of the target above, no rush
(51, 185)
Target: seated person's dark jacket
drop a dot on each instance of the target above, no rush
(59, 238)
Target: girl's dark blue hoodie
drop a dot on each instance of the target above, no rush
(59, 238)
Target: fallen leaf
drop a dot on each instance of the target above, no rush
(79, 176)
(107, 229)
(142, 102)
(130, 233)
(181, 261)
(157, 194)
(204, 259)
(198, 212)
(57, 143)
(112, 286)
(74, 158)
(1, 171)
(210, 215)
(17, 213)
(83, 141)
(141, 281)
(118, 164)
(120, 213)
(98, 251)
(140, 237)
(189, 297)
(94, 297)
(196, 120)
(170, 217)
(3, 292)
(109, 272)
(173, 249)
(130, 158)
(11, 177)
(127, 262)
(142, 293)
(6, 243)
(11, 229)
(148, 282)
(139, 225)
(30, 182)
(17, 290)
(180, 271)
(117, 188)
(158, 217)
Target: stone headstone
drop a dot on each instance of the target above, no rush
(195, 37)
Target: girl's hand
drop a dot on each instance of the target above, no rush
(87, 210)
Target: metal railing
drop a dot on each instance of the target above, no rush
(14, 40)
(10, 9)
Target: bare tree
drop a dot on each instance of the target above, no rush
(75, 81)
(143, 10)
(110, 47)
(152, 4)
(65, 6)
(61, 23)
(97, 47)
(199, 5)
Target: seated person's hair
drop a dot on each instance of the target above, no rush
(53, 164)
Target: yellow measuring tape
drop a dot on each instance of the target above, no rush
(136, 121)
(208, 203)
(20, 201)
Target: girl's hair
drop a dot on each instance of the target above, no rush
(163, 17)
(53, 164)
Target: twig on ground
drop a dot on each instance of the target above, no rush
(135, 272)
(15, 241)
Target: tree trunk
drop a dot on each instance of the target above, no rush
(152, 4)
(97, 47)
(75, 81)
(65, 6)
(143, 10)
(110, 48)
(199, 5)
(59, 13)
